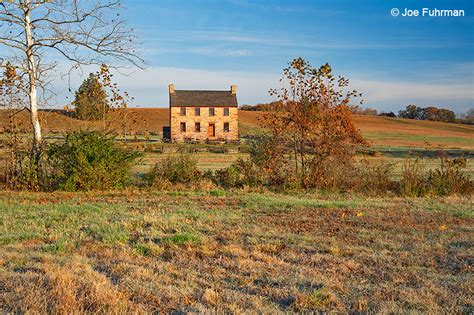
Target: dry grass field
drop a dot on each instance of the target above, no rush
(398, 132)
(380, 131)
(233, 252)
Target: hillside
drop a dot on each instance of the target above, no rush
(380, 131)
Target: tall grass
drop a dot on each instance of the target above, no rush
(181, 169)
(448, 179)
(369, 177)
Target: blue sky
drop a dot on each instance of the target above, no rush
(211, 44)
(393, 61)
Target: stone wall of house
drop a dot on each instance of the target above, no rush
(205, 120)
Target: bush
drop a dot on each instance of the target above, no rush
(413, 183)
(22, 172)
(371, 177)
(90, 160)
(448, 179)
(368, 176)
(228, 177)
(375, 178)
(179, 169)
(240, 174)
(269, 163)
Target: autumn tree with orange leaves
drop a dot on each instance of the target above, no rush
(312, 133)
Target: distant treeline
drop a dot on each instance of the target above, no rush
(260, 107)
(428, 113)
(410, 112)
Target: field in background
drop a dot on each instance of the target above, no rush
(386, 132)
(380, 131)
(393, 138)
(233, 252)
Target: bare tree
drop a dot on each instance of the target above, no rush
(35, 34)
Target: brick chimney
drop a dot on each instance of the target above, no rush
(171, 88)
(233, 88)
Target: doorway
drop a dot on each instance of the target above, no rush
(211, 130)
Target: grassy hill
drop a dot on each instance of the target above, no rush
(380, 131)
(397, 132)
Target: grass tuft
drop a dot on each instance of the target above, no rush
(182, 239)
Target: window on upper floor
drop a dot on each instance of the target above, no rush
(183, 111)
(226, 111)
(212, 111)
(197, 111)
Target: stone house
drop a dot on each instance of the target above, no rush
(200, 116)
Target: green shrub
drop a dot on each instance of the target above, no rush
(90, 160)
(180, 169)
(251, 174)
(268, 163)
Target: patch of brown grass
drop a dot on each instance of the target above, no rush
(49, 287)
(255, 253)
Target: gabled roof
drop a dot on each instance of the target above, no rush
(197, 98)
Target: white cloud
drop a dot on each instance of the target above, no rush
(197, 37)
(205, 51)
(150, 88)
(457, 96)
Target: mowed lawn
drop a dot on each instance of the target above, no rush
(234, 251)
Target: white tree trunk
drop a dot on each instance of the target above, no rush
(32, 80)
